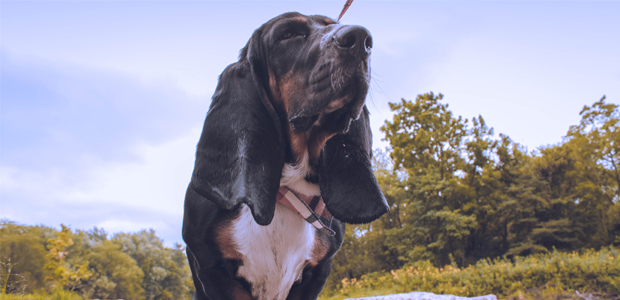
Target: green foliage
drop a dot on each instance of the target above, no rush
(596, 144)
(54, 294)
(459, 193)
(117, 275)
(589, 271)
(64, 276)
(88, 265)
(166, 272)
(428, 142)
(22, 257)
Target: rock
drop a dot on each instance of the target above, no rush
(425, 296)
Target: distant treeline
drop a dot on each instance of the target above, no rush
(458, 193)
(88, 264)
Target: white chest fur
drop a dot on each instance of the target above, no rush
(274, 255)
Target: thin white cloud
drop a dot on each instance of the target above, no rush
(119, 196)
(154, 182)
(115, 225)
(85, 147)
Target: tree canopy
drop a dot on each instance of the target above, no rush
(125, 266)
(460, 193)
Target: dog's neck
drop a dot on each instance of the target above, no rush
(294, 176)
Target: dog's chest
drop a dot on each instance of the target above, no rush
(273, 256)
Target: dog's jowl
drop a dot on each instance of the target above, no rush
(282, 163)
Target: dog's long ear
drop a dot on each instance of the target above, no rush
(348, 184)
(240, 154)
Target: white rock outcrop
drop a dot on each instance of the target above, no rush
(424, 296)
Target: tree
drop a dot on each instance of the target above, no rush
(22, 252)
(574, 199)
(427, 142)
(64, 275)
(115, 274)
(165, 270)
(484, 191)
(596, 143)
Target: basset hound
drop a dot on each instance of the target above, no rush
(282, 163)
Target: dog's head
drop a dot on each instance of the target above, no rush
(297, 92)
(316, 72)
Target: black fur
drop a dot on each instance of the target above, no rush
(239, 160)
(240, 154)
(348, 185)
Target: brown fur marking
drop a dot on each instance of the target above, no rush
(329, 21)
(274, 88)
(290, 85)
(300, 19)
(321, 246)
(240, 293)
(298, 143)
(317, 140)
(285, 90)
(224, 239)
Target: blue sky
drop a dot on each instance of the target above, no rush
(101, 103)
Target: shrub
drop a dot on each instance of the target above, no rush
(589, 271)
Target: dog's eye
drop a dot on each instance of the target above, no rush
(287, 35)
(291, 34)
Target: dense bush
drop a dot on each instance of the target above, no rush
(55, 294)
(589, 271)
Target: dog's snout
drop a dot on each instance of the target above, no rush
(356, 38)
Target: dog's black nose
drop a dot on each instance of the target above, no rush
(355, 38)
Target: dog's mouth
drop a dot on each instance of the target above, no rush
(335, 118)
(337, 95)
